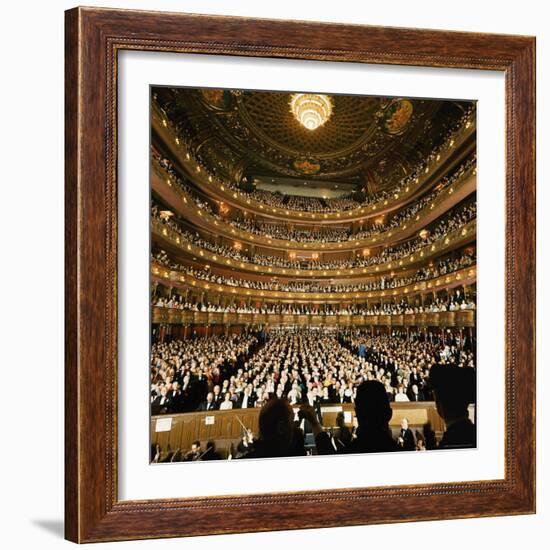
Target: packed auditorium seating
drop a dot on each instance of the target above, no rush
(277, 306)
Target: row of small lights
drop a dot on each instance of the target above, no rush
(351, 213)
(366, 252)
(245, 235)
(417, 287)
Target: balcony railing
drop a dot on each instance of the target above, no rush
(224, 191)
(166, 276)
(465, 318)
(189, 208)
(460, 236)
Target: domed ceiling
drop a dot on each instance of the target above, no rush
(370, 142)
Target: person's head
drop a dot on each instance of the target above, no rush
(196, 446)
(209, 397)
(277, 423)
(372, 405)
(404, 424)
(217, 390)
(454, 389)
(227, 396)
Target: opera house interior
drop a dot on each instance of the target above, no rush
(313, 274)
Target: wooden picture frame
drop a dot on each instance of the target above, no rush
(94, 37)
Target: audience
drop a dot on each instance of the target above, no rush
(315, 204)
(317, 367)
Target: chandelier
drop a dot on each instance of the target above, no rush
(311, 110)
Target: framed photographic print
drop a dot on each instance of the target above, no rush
(300, 275)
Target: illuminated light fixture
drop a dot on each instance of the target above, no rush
(165, 214)
(424, 234)
(311, 110)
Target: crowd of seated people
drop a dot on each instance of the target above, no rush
(313, 286)
(303, 366)
(282, 432)
(437, 269)
(183, 372)
(455, 303)
(448, 223)
(277, 261)
(328, 234)
(316, 205)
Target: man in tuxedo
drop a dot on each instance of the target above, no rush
(194, 453)
(177, 398)
(162, 403)
(405, 440)
(218, 396)
(209, 404)
(246, 401)
(415, 394)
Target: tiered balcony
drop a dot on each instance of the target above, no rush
(184, 204)
(222, 191)
(464, 235)
(167, 277)
(459, 319)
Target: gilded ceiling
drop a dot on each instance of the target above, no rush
(370, 141)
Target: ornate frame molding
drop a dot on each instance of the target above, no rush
(93, 38)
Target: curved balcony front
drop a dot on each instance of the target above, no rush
(168, 277)
(444, 319)
(184, 204)
(165, 235)
(220, 190)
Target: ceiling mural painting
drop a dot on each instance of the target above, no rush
(361, 140)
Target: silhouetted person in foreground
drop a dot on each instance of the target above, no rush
(210, 453)
(373, 412)
(454, 389)
(343, 435)
(279, 436)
